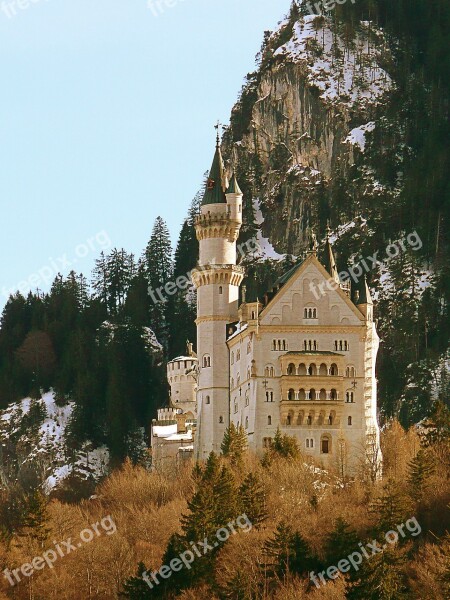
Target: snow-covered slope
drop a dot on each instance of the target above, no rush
(33, 434)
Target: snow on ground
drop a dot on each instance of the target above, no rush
(357, 136)
(49, 444)
(265, 246)
(349, 75)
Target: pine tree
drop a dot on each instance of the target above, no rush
(285, 445)
(252, 496)
(225, 498)
(341, 542)
(390, 509)
(382, 577)
(36, 516)
(290, 553)
(421, 468)
(234, 444)
(159, 269)
(135, 588)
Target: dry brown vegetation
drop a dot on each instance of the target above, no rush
(146, 508)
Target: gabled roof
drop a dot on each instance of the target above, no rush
(288, 278)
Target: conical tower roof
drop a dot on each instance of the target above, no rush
(216, 184)
(234, 188)
(329, 260)
(364, 292)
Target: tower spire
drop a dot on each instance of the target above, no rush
(330, 261)
(216, 184)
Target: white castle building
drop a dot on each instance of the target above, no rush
(302, 360)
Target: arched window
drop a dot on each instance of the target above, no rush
(288, 420)
(221, 419)
(206, 361)
(350, 421)
(309, 420)
(307, 443)
(334, 370)
(291, 369)
(246, 422)
(269, 420)
(220, 290)
(274, 345)
(306, 313)
(207, 400)
(291, 395)
(335, 345)
(330, 420)
(333, 394)
(271, 396)
(238, 355)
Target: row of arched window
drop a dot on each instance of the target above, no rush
(310, 313)
(312, 394)
(341, 345)
(322, 371)
(310, 345)
(279, 345)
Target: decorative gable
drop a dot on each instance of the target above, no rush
(309, 297)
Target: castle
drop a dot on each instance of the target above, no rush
(301, 360)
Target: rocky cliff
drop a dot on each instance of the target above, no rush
(331, 128)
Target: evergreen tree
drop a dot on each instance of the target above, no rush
(158, 266)
(421, 468)
(135, 588)
(382, 577)
(341, 542)
(234, 443)
(290, 554)
(390, 509)
(253, 500)
(285, 445)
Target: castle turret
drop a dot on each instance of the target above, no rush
(217, 279)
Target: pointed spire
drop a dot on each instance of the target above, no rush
(330, 262)
(234, 188)
(365, 296)
(216, 183)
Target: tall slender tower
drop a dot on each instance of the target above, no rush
(217, 279)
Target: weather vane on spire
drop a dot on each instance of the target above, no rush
(217, 126)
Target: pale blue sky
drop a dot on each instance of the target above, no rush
(106, 120)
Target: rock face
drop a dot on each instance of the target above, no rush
(290, 129)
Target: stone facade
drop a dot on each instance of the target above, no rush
(303, 360)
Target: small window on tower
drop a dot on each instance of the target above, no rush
(220, 290)
(207, 400)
